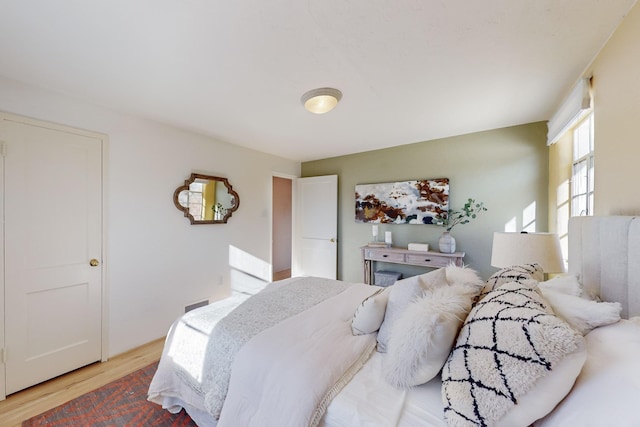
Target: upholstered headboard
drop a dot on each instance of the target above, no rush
(605, 253)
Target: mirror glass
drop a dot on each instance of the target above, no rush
(206, 199)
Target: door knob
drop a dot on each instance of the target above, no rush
(94, 262)
(332, 240)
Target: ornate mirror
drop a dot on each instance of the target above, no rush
(206, 199)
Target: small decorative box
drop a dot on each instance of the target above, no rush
(419, 247)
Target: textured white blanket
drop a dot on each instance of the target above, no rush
(288, 374)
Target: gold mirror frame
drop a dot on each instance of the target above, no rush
(228, 208)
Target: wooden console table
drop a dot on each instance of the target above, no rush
(404, 256)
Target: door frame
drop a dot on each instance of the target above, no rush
(104, 142)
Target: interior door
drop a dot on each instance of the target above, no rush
(316, 216)
(53, 250)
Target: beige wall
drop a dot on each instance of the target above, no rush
(505, 168)
(616, 86)
(560, 165)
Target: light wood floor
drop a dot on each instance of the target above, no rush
(279, 275)
(27, 403)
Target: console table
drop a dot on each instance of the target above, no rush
(404, 256)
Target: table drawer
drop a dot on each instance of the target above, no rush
(381, 255)
(428, 260)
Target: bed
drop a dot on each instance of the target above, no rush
(513, 350)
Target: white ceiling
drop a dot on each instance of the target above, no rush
(410, 70)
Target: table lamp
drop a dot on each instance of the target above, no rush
(527, 248)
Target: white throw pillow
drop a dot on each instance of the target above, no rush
(582, 314)
(403, 293)
(370, 313)
(508, 344)
(566, 284)
(422, 337)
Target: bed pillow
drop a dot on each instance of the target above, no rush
(582, 314)
(516, 273)
(403, 293)
(566, 284)
(607, 390)
(510, 343)
(423, 335)
(370, 313)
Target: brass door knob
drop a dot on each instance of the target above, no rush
(94, 262)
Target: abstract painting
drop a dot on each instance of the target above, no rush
(404, 202)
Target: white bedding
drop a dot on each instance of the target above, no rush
(289, 373)
(605, 392)
(368, 400)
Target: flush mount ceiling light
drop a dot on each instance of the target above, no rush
(320, 101)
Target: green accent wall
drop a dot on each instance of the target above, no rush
(506, 168)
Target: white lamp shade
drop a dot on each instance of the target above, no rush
(511, 249)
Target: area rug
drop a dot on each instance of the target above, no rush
(120, 403)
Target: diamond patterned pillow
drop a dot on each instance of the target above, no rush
(510, 340)
(515, 273)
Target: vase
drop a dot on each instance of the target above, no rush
(447, 243)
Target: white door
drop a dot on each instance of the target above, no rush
(316, 216)
(53, 250)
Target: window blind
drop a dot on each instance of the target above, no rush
(570, 111)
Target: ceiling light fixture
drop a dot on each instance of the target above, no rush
(320, 101)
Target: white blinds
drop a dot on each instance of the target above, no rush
(570, 111)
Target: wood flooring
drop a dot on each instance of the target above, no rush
(27, 403)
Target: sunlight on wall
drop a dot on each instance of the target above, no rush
(529, 218)
(511, 226)
(528, 221)
(562, 216)
(248, 264)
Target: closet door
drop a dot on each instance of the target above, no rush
(53, 250)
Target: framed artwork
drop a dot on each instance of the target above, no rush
(404, 202)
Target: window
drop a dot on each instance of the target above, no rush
(582, 179)
(193, 200)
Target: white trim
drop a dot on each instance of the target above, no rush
(3, 394)
(105, 265)
(570, 111)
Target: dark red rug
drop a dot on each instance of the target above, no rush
(120, 403)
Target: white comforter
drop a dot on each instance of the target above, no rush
(324, 352)
(288, 374)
